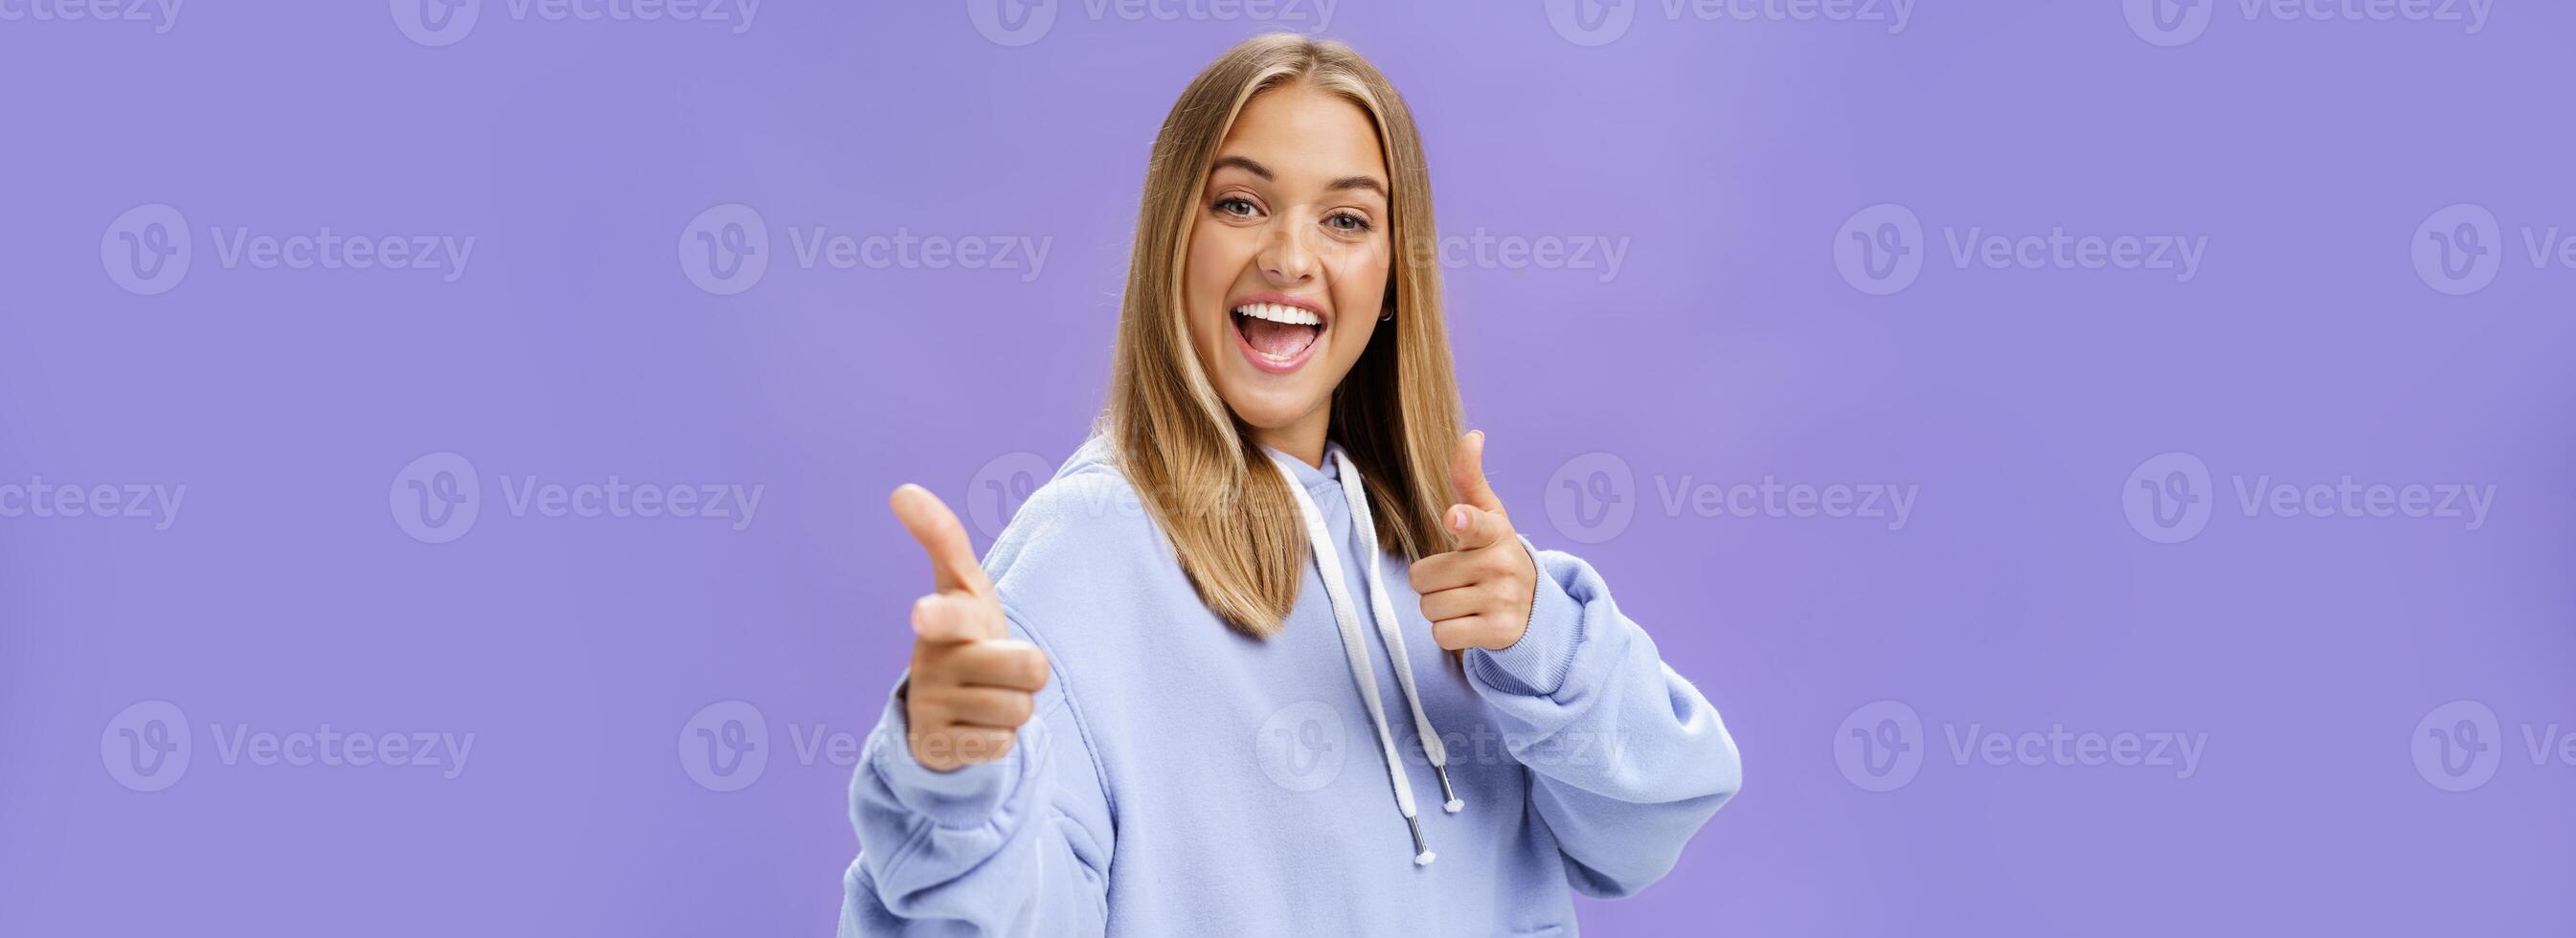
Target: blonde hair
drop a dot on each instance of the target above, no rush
(1229, 516)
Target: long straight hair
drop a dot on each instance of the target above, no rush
(1231, 519)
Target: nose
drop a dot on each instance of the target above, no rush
(1286, 259)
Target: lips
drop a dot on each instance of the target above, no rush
(1277, 336)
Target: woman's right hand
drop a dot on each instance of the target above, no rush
(972, 684)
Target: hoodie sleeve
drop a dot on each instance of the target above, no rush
(1018, 846)
(1626, 759)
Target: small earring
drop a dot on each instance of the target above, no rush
(1387, 316)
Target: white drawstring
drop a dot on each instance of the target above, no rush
(1329, 564)
(1388, 628)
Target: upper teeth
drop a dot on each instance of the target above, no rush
(1281, 312)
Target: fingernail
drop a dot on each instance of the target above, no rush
(1458, 519)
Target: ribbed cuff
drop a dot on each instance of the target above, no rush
(1536, 665)
(965, 797)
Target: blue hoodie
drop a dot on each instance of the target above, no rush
(1180, 777)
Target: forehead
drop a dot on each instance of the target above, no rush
(1299, 131)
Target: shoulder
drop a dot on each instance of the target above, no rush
(1084, 528)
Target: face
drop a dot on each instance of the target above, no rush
(1288, 259)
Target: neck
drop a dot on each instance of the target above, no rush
(1303, 439)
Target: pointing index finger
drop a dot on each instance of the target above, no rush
(952, 559)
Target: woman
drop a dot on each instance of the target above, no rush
(1187, 692)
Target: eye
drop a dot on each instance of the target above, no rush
(1347, 222)
(1235, 206)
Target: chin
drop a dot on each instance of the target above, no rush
(1269, 410)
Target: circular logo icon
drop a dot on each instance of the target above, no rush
(1879, 250)
(146, 250)
(2168, 498)
(725, 249)
(1879, 747)
(2458, 249)
(1591, 22)
(2457, 746)
(1001, 487)
(436, 498)
(1012, 22)
(1592, 497)
(435, 23)
(2168, 22)
(145, 748)
(725, 746)
(1301, 746)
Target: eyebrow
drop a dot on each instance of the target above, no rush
(1347, 182)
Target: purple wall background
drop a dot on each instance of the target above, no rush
(2031, 587)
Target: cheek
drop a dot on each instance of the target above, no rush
(1211, 267)
(1359, 292)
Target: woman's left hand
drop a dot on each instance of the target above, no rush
(1478, 594)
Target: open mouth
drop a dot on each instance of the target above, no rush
(1277, 337)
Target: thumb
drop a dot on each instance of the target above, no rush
(952, 559)
(1475, 528)
(1467, 472)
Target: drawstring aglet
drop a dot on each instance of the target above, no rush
(1422, 855)
(1453, 804)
